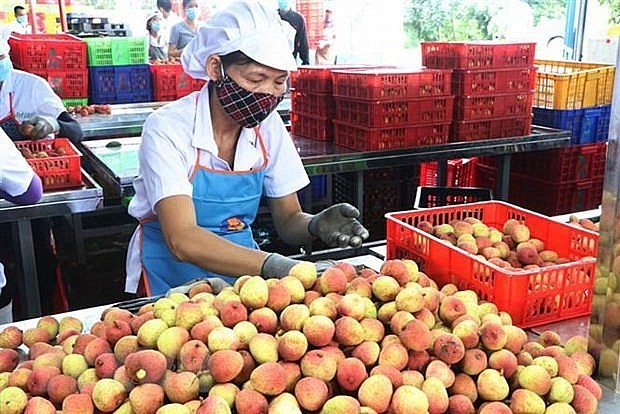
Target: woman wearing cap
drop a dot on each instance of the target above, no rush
(29, 108)
(184, 31)
(158, 49)
(206, 159)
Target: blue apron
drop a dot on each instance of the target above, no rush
(226, 203)
(10, 124)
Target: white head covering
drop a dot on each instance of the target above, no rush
(4, 47)
(153, 14)
(246, 26)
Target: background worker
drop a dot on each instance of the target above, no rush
(20, 185)
(184, 31)
(158, 46)
(206, 160)
(301, 49)
(20, 25)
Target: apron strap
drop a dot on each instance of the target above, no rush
(144, 288)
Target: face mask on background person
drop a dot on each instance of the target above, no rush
(21, 19)
(5, 68)
(247, 108)
(155, 26)
(191, 13)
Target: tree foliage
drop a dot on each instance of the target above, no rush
(614, 10)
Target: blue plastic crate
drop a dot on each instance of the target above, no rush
(120, 84)
(318, 184)
(587, 125)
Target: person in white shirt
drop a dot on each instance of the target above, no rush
(19, 185)
(158, 47)
(27, 99)
(206, 160)
(20, 25)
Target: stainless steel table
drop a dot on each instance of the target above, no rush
(57, 203)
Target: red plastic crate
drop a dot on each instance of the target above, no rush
(56, 172)
(170, 82)
(315, 104)
(40, 52)
(312, 127)
(460, 173)
(533, 297)
(490, 128)
(493, 81)
(577, 162)
(67, 83)
(477, 55)
(317, 79)
(391, 83)
(395, 112)
(369, 139)
(468, 108)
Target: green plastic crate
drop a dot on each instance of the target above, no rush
(116, 51)
(75, 102)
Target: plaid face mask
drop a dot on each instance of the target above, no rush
(248, 109)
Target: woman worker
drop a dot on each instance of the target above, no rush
(206, 159)
(29, 108)
(185, 30)
(158, 48)
(19, 185)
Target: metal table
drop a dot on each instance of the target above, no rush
(53, 204)
(116, 167)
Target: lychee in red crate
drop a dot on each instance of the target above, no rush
(531, 297)
(55, 161)
(317, 79)
(391, 83)
(576, 162)
(467, 108)
(71, 83)
(490, 128)
(316, 104)
(395, 112)
(312, 127)
(477, 55)
(41, 52)
(370, 139)
(493, 81)
(460, 173)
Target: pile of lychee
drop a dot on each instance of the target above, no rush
(343, 342)
(510, 248)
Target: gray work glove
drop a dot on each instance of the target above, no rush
(338, 226)
(277, 266)
(217, 285)
(42, 126)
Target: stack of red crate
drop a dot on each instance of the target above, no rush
(312, 102)
(493, 84)
(313, 12)
(390, 108)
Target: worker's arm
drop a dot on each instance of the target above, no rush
(69, 127)
(290, 221)
(32, 194)
(304, 47)
(191, 243)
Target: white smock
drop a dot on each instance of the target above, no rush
(31, 95)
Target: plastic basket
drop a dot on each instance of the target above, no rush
(370, 139)
(395, 112)
(467, 108)
(56, 172)
(427, 197)
(576, 162)
(490, 128)
(386, 84)
(586, 125)
(477, 55)
(120, 84)
(75, 102)
(170, 82)
(460, 173)
(41, 52)
(315, 104)
(493, 81)
(573, 85)
(67, 83)
(312, 127)
(317, 79)
(533, 297)
(112, 51)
